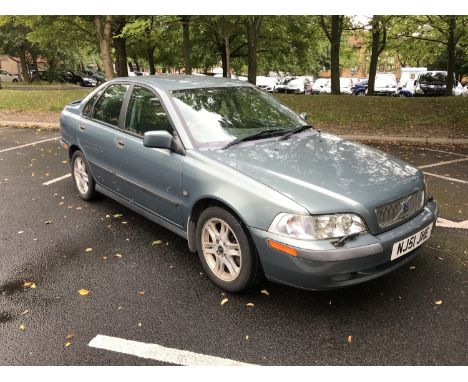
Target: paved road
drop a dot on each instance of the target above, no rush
(45, 231)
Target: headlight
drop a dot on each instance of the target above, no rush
(304, 227)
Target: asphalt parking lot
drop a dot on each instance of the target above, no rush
(145, 286)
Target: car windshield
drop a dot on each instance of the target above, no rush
(81, 74)
(221, 115)
(433, 78)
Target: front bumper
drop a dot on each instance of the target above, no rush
(323, 266)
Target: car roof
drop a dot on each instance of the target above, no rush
(169, 82)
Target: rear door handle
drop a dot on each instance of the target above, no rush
(82, 128)
(120, 142)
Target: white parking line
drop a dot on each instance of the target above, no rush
(56, 179)
(443, 151)
(29, 144)
(446, 178)
(441, 222)
(444, 163)
(160, 353)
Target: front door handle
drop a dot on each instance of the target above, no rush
(120, 142)
(82, 128)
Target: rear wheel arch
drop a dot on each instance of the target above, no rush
(72, 150)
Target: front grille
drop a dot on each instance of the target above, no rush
(400, 209)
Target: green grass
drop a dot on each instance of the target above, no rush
(431, 116)
(420, 117)
(39, 100)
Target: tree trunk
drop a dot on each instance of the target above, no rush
(150, 58)
(186, 46)
(104, 35)
(451, 46)
(222, 51)
(253, 28)
(228, 57)
(336, 31)
(374, 55)
(120, 45)
(24, 64)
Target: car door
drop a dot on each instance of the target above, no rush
(97, 133)
(148, 177)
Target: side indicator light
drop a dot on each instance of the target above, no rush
(65, 146)
(282, 248)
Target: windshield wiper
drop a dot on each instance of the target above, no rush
(251, 137)
(294, 131)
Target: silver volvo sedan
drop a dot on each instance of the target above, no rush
(254, 188)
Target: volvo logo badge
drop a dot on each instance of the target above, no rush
(404, 206)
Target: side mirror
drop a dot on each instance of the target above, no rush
(303, 115)
(157, 139)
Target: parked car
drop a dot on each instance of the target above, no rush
(267, 83)
(8, 77)
(346, 85)
(281, 87)
(458, 89)
(100, 77)
(80, 78)
(251, 185)
(431, 83)
(407, 90)
(298, 85)
(360, 88)
(321, 86)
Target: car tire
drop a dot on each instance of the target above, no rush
(219, 231)
(82, 177)
(403, 95)
(14, 80)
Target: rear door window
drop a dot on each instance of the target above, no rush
(108, 106)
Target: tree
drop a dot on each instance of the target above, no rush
(333, 28)
(13, 41)
(447, 32)
(253, 31)
(379, 26)
(186, 46)
(120, 45)
(103, 26)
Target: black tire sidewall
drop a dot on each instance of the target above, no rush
(91, 184)
(248, 272)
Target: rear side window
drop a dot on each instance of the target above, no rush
(107, 107)
(145, 113)
(89, 106)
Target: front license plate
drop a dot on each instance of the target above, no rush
(411, 242)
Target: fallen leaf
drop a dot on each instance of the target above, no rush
(61, 203)
(141, 293)
(64, 161)
(67, 344)
(83, 292)
(25, 312)
(20, 232)
(124, 222)
(265, 292)
(70, 336)
(412, 267)
(33, 286)
(224, 301)
(48, 222)
(107, 216)
(22, 327)
(249, 305)
(118, 215)
(104, 257)
(78, 208)
(350, 339)
(88, 250)
(156, 242)
(439, 302)
(247, 338)
(27, 284)
(118, 255)
(139, 324)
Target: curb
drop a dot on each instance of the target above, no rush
(368, 138)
